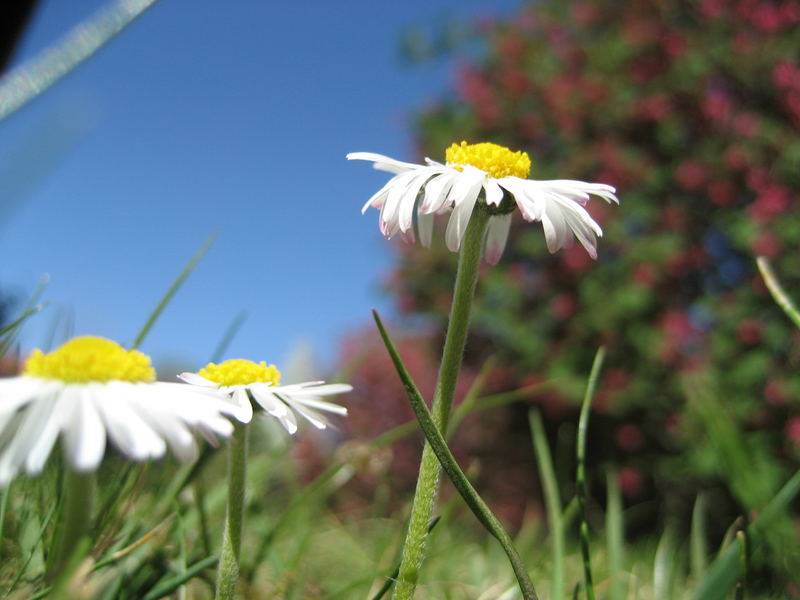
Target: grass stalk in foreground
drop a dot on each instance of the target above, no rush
(552, 501)
(775, 288)
(34, 76)
(460, 482)
(228, 570)
(583, 426)
(173, 289)
(428, 479)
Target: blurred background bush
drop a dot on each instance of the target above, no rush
(692, 109)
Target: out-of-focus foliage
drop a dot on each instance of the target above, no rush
(692, 109)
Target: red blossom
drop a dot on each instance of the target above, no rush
(749, 332)
(775, 393)
(772, 201)
(563, 306)
(630, 438)
(691, 175)
(655, 107)
(644, 275)
(745, 124)
(721, 192)
(792, 431)
(717, 106)
(766, 244)
(631, 481)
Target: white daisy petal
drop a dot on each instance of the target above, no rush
(406, 212)
(319, 404)
(196, 379)
(436, 192)
(269, 401)
(132, 436)
(378, 198)
(84, 432)
(425, 229)
(466, 190)
(38, 433)
(383, 163)
(243, 411)
(494, 193)
(310, 415)
(496, 237)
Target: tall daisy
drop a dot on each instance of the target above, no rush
(486, 174)
(91, 390)
(242, 380)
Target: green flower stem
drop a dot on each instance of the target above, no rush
(75, 519)
(454, 472)
(583, 426)
(228, 571)
(775, 288)
(452, 355)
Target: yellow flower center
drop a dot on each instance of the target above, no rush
(239, 371)
(91, 359)
(496, 161)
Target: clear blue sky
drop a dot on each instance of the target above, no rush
(211, 116)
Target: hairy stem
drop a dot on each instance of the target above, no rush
(428, 479)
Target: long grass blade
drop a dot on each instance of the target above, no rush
(173, 289)
(31, 306)
(227, 337)
(663, 566)
(698, 545)
(172, 584)
(552, 500)
(454, 472)
(741, 585)
(778, 294)
(33, 77)
(583, 426)
(615, 536)
(21, 319)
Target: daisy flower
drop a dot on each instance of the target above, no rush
(243, 380)
(90, 390)
(490, 175)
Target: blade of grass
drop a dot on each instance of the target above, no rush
(663, 566)
(20, 319)
(33, 77)
(552, 500)
(698, 544)
(227, 337)
(472, 395)
(723, 574)
(741, 585)
(583, 426)
(169, 586)
(454, 472)
(30, 305)
(778, 294)
(162, 304)
(615, 536)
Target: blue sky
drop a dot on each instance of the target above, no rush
(206, 117)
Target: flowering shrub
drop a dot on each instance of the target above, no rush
(692, 110)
